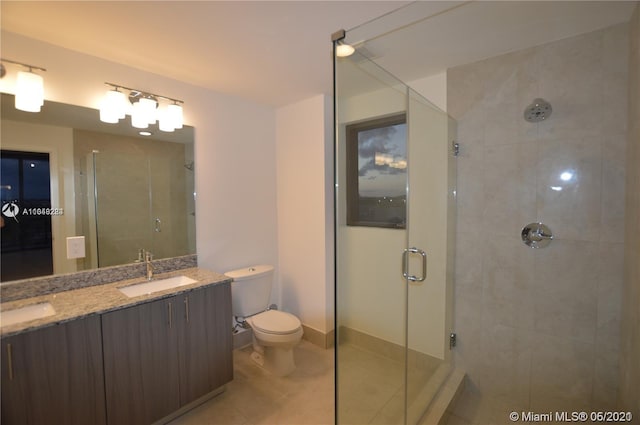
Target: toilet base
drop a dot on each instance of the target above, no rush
(257, 358)
(276, 360)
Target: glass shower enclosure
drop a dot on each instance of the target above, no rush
(395, 217)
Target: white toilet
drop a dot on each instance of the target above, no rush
(275, 333)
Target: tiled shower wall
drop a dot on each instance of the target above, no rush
(538, 329)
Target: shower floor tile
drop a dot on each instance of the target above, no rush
(371, 386)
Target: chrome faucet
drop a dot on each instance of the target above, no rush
(147, 259)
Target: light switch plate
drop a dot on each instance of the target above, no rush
(75, 247)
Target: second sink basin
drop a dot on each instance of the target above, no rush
(155, 286)
(26, 313)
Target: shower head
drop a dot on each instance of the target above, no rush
(538, 111)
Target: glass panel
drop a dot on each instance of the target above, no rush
(122, 181)
(393, 348)
(152, 184)
(371, 292)
(431, 221)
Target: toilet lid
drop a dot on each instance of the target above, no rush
(275, 322)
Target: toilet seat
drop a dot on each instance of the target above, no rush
(275, 322)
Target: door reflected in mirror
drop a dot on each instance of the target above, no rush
(26, 235)
(120, 191)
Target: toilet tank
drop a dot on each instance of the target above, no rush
(250, 289)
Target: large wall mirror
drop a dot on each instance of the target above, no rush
(79, 194)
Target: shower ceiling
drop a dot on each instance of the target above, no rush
(463, 32)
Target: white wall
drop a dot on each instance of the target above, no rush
(432, 87)
(234, 147)
(371, 300)
(305, 210)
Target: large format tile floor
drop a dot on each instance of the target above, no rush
(256, 397)
(372, 389)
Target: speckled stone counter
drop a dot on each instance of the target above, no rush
(27, 288)
(97, 299)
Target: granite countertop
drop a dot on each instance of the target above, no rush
(98, 299)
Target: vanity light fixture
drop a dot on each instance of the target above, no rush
(114, 106)
(145, 108)
(29, 91)
(174, 111)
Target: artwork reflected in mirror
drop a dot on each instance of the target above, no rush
(78, 194)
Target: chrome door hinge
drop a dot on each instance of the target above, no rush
(453, 339)
(455, 148)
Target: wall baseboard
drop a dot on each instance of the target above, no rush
(387, 349)
(323, 340)
(316, 337)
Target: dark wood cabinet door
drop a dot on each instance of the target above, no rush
(141, 362)
(54, 375)
(205, 341)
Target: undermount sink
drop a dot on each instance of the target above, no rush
(26, 313)
(155, 286)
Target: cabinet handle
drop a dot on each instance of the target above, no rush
(10, 361)
(170, 313)
(186, 308)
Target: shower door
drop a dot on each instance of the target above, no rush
(394, 200)
(122, 180)
(152, 194)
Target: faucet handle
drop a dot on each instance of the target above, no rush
(148, 256)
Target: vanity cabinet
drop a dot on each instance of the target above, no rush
(162, 355)
(205, 341)
(54, 375)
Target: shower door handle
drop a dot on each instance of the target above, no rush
(405, 264)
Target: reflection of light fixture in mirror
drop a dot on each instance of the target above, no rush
(29, 91)
(145, 133)
(146, 109)
(566, 176)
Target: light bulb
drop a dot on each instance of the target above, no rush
(164, 120)
(344, 50)
(29, 92)
(138, 118)
(113, 107)
(148, 108)
(174, 111)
